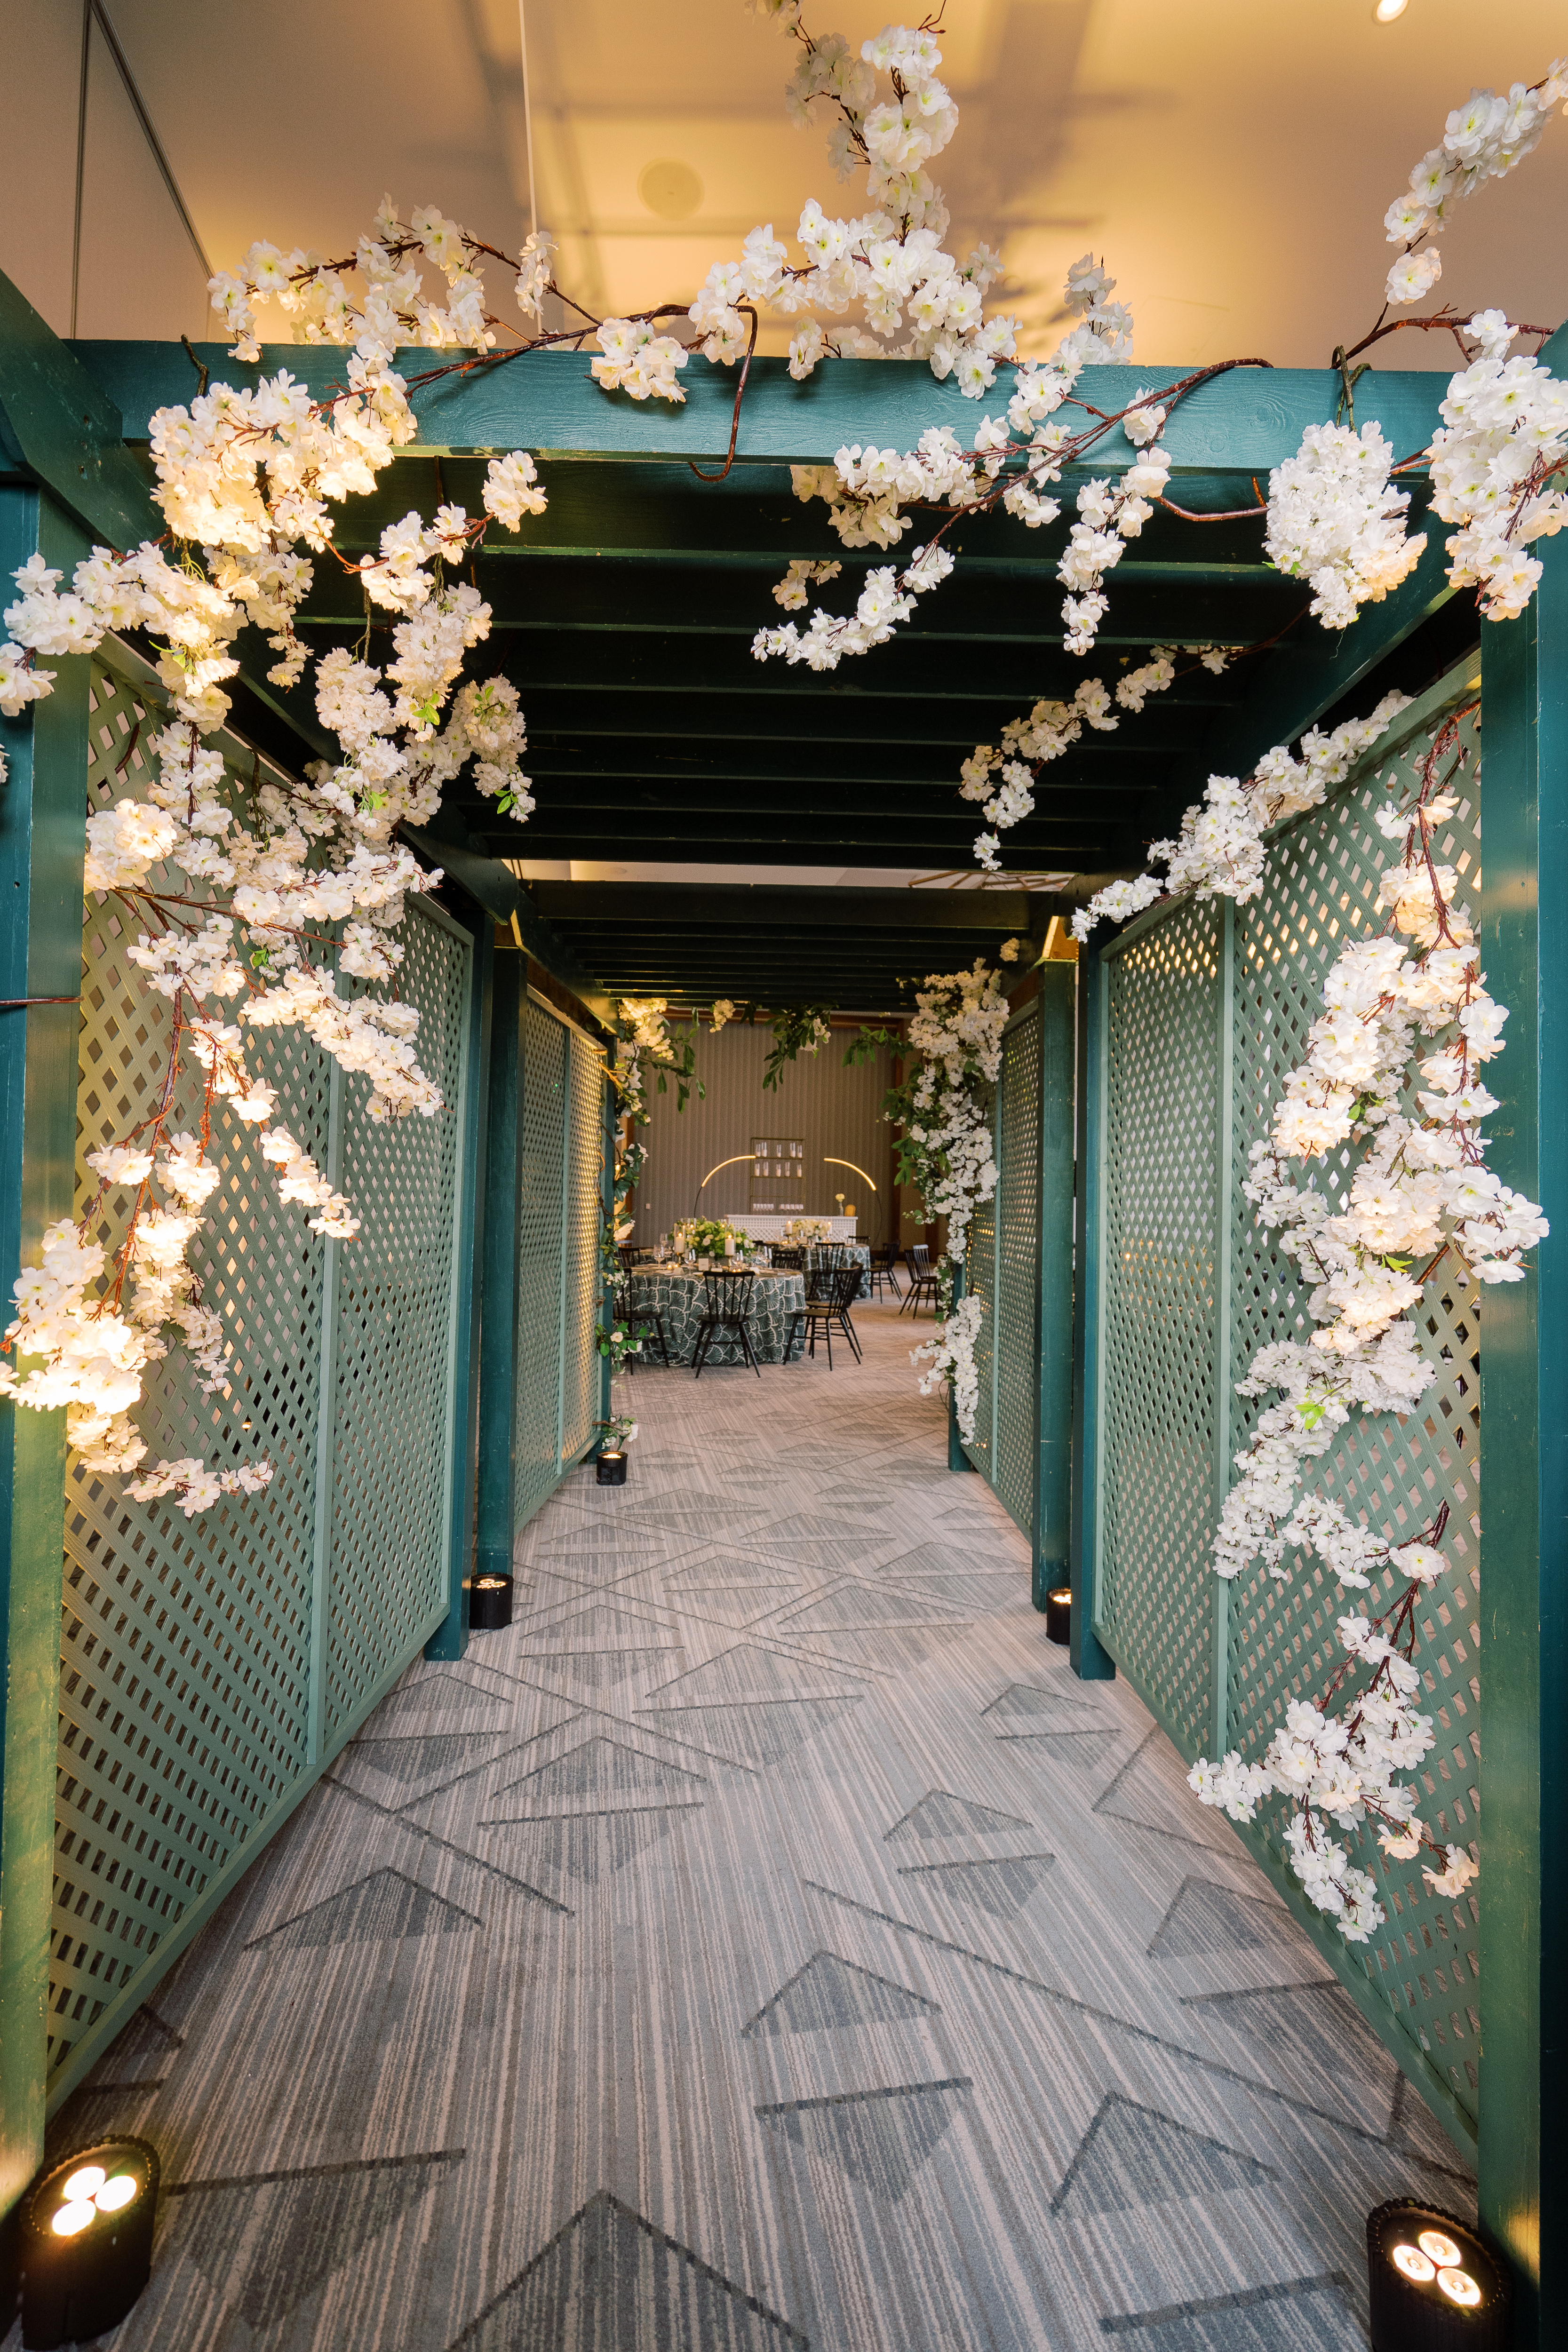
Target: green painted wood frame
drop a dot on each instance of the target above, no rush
(1523, 1888)
(1051, 1536)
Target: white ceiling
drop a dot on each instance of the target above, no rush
(1231, 159)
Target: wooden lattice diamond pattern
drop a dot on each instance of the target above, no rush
(1017, 1305)
(394, 1343)
(536, 1412)
(1321, 889)
(1158, 1337)
(184, 1657)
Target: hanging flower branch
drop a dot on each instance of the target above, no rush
(647, 1047)
(798, 1029)
(1406, 1018)
(944, 1147)
(248, 480)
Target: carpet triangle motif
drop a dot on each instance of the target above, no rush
(940, 1814)
(1132, 2155)
(828, 1993)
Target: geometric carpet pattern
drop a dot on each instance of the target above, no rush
(762, 1945)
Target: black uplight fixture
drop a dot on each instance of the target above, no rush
(87, 2243)
(610, 1467)
(1058, 1613)
(489, 1604)
(1434, 2286)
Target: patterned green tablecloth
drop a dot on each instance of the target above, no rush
(680, 1298)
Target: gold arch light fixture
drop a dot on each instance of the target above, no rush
(829, 1162)
(712, 1172)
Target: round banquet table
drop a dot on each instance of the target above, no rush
(680, 1296)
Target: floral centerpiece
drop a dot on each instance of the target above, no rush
(715, 1237)
(802, 1230)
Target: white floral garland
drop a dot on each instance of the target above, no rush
(945, 1113)
(252, 478)
(1421, 1190)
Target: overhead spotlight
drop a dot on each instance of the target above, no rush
(1386, 11)
(87, 2243)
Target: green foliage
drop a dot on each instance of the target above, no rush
(798, 1029)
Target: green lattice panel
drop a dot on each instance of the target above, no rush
(580, 1246)
(1320, 888)
(1017, 1301)
(393, 1344)
(537, 1394)
(184, 1642)
(1159, 1339)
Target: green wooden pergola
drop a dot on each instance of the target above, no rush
(625, 615)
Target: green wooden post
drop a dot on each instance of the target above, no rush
(499, 1303)
(43, 810)
(1523, 1666)
(1053, 1387)
(450, 1640)
(1089, 1659)
(606, 1311)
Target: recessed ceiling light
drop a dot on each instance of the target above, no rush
(1385, 11)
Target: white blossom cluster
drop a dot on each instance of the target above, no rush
(235, 885)
(956, 1029)
(1004, 776)
(890, 115)
(1503, 438)
(1011, 464)
(790, 592)
(1221, 846)
(952, 1360)
(392, 307)
(1334, 520)
(1482, 140)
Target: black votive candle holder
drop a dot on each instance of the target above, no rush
(1058, 1613)
(87, 2243)
(489, 1604)
(611, 1468)
(1432, 2285)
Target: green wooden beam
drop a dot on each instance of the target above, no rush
(743, 906)
(60, 429)
(1239, 425)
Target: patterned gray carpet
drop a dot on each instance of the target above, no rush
(765, 1943)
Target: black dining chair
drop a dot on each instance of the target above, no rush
(879, 1274)
(828, 1289)
(728, 1303)
(922, 1281)
(846, 1279)
(646, 1320)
